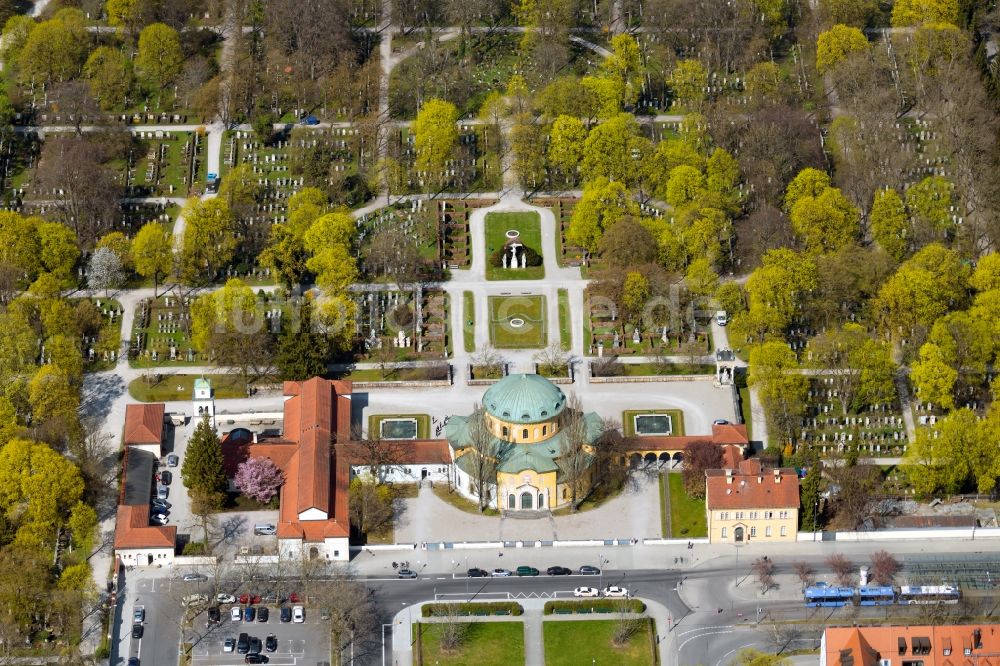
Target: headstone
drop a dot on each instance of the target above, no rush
(636, 336)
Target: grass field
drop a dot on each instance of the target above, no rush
(468, 321)
(446, 494)
(745, 410)
(181, 387)
(589, 642)
(485, 643)
(531, 309)
(529, 225)
(687, 515)
(423, 424)
(654, 369)
(565, 339)
(676, 420)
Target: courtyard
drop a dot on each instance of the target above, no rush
(518, 322)
(523, 228)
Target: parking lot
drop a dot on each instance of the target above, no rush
(305, 643)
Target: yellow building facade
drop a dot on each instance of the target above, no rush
(750, 504)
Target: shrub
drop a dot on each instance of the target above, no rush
(532, 258)
(194, 548)
(490, 608)
(608, 366)
(596, 606)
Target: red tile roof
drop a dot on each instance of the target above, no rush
(862, 646)
(132, 529)
(729, 433)
(406, 451)
(752, 487)
(144, 423)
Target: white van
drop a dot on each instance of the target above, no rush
(721, 318)
(266, 529)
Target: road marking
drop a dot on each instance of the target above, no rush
(691, 631)
(442, 577)
(713, 633)
(719, 663)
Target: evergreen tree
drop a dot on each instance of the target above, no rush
(202, 470)
(302, 352)
(808, 495)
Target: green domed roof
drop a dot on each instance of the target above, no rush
(524, 399)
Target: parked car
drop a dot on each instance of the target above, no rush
(243, 644)
(173, 460)
(615, 591)
(235, 614)
(133, 661)
(406, 573)
(294, 598)
(139, 614)
(249, 598)
(161, 504)
(720, 422)
(229, 644)
(266, 529)
(255, 659)
(587, 570)
(586, 592)
(309, 120)
(225, 599)
(136, 631)
(262, 614)
(501, 573)
(255, 645)
(194, 577)
(158, 519)
(558, 571)
(270, 598)
(298, 614)
(286, 614)
(166, 478)
(214, 616)
(477, 573)
(271, 643)
(249, 613)
(162, 492)
(527, 571)
(721, 318)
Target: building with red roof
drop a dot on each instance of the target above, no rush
(144, 426)
(945, 645)
(751, 503)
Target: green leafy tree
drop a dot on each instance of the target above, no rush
(635, 294)
(566, 145)
(202, 470)
(435, 135)
(916, 12)
(966, 341)
(302, 352)
(777, 289)
(38, 486)
(602, 205)
(933, 377)
(688, 81)
(335, 267)
(160, 59)
(54, 51)
(701, 279)
(808, 183)
(809, 497)
(855, 13)
(209, 240)
(16, 31)
(923, 289)
(834, 45)
(59, 249)
(109, 74)
(888, 223)
(152, 252)
(231, 309)
(684, 186)
(826, 223)
(286, 255)
(939, 459)
(614, 150)
(987, 274)
(124, 14)
(929, 202)
(782, 389)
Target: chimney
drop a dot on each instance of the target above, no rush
(777, 476)
(729, 477)
(760, 480)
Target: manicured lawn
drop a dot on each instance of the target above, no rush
(485, 643)
(181, 387)
(565, 340)
(390, 375)
(468, 321)
(589, 642)
(497, 224)
(452, 497)
(531, 309)
(653, 369)
(676, 420)
(423, 424)
(745, 410)
(664, 532)
(687, 515)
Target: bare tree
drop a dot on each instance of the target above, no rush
(453, 632)
(574, 458)
(781, 635)
(552, 361)
(625, 625)
(763, 568)
(842, 568)
(489, 362)
(805, 573)
(884, 567)
(249, 355)
(485, 457)
(382, 456)
(370, 505)
(352, 609)
(699, 456)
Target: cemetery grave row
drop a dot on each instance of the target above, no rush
(100, 352)
(562, 209)
(165, 164)
(416, 326)
(876, 430)
(472, 169)
(673, 334)
(161, 332)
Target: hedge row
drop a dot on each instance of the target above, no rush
(595, 606)
(483, 608)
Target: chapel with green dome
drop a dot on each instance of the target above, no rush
(525, 416)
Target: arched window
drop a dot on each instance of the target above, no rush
(506, 431)
(545, 430)
(511, 502)
(541, 501)
(524, 433)
(565, 492)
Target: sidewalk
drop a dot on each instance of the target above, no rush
(533, 620)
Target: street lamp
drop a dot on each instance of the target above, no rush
(816, 515)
